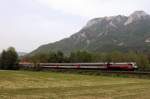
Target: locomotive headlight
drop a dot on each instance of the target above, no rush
(135, 66)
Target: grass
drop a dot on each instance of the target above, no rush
(52, 85)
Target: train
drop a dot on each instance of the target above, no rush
(99, 66)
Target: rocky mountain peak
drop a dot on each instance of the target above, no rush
(111, 20)
(93, 21)
(137, 15)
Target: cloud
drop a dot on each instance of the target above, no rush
(96, 8)
(77, 7)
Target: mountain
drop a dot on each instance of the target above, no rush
(22, 53)
(123, 33)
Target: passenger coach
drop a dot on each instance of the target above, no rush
(101, 66)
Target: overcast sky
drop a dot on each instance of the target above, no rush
(27, 24)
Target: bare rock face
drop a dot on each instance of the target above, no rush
(137, 15)
(105, 34)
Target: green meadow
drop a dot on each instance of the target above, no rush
(52, 85)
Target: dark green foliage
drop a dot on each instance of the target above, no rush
(39, 58)
(59, 57)
(142, 61)
(56, 57)
(80, 56)
(3, 61)
(9, 59)
(52, 57)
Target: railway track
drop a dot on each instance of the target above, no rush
(105, 71)
(127, 72)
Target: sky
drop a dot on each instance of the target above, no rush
(27, 24)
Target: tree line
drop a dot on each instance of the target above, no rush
(141, 59)
(9, 59)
